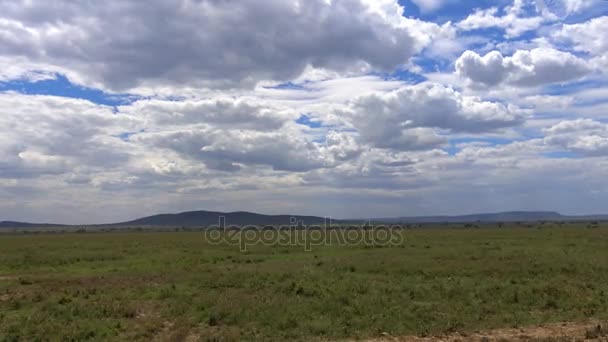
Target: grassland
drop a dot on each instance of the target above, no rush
(178, 286)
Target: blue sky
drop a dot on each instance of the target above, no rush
(59, 85)
(376, 108)
(450, 10)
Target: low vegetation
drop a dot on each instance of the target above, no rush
(177, 286)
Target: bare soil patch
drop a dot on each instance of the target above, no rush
(590, 331)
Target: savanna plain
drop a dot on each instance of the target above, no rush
(178, 286)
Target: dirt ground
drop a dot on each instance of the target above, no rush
(591, 331)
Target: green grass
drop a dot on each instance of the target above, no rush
(173, 286)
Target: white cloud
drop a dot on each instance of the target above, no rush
(238, 113)
(584, 136)
(589, 36)
(429, 5)
(525, 68)
(511, 22)
(406, 119)
(542, 103)
(45, 134)
(203, 43)
(522, 16)
(556, 9)
(232, 150)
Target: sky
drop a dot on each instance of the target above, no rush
(111, 111)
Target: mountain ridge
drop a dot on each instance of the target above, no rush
(507, 216)
(209, 218)
(204, 218)
(15, 224)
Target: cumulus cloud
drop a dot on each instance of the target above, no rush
(511, 22)
(44, 135)
(585, 136)
(205, 43)
(525, 68)
(542, 103)
(555, 9)
(589, 36)
(376, 169)
(341, 146)
(522, 16)
(239, 112)
(407, 118)
(231, 150)
(48, 135)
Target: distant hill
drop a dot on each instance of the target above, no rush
(12, 224)
(509, 216)
(203, 218)
(209, 218)
(241, 218)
